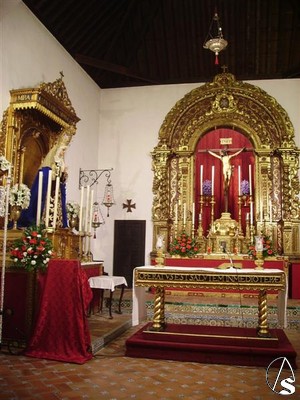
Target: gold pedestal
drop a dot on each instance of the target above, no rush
(160, 260)
(259, 262)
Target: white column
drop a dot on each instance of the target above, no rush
(39, 199)
(212, 180)
(48, 199)
(91, 211)
(239, 179)
(87, 208)
(250, 180)
(201, 180)
(57, 180)
(81, 208)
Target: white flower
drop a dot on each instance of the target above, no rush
(4, 164)
(33, 262)
(20, 196)
(73, 209)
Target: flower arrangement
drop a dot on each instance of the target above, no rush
(245, 188)
(33, 251)
(207, 188)
(20, 195)
(4, 164)
(267, 251)
(184, 246)
(73, 209)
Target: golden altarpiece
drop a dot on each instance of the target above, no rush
(37, 121)
(268, 133)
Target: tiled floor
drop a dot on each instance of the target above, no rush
(111, 375)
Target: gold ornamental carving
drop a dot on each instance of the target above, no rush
(38, 121)
(226, 102)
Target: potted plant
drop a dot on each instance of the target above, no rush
(183, 246)
(19, 200)
(33, 250)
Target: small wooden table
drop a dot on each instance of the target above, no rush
(108, 282)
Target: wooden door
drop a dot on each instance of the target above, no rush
(129, 247)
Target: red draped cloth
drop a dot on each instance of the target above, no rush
(61, 332)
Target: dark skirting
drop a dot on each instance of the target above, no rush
(210, 345)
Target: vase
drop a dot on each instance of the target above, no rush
(15, 213)
(73, 222)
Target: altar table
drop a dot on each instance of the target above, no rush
(185, 277)
(108, 282)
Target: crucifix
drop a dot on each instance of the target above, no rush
(227, 169)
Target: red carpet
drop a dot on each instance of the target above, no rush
(211, 345)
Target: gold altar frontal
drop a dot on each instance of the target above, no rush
(161, 278)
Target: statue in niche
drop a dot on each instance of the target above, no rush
(54, 162)
(227, 169)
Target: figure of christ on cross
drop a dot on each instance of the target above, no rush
(225, 159)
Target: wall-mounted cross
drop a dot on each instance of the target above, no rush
(129, 205)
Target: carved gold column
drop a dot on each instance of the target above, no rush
(262, 330)
(158, 323)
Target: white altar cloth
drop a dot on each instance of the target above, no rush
(106, 282)
(139, 312)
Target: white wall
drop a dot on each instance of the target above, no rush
(29, 56)
(118, 127)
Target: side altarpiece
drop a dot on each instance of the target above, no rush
(227, 114)
(38, 120)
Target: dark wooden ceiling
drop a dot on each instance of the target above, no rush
(123, 43)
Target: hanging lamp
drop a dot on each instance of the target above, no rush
(214, 40)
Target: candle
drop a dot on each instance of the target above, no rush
(212, 179)
(48, 199)
(81, 208)
(91, 210)
(86, 208)
(251, 213)
(176, 213)
(239, 179)
(201, 180)
(39, 199)
(184, 214)
(55, 201)
(193, 214)
(250, 180)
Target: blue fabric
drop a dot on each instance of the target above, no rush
(28, 216)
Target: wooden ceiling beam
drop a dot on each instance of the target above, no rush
(118, 69)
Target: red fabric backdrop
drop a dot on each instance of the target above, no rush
(211, 141)
(61, 332)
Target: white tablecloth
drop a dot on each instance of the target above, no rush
(106, 282)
